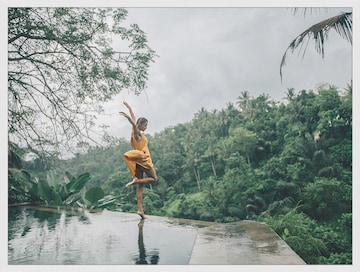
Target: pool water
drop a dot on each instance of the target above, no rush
(48, 237)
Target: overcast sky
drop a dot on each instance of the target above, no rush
(208, 56)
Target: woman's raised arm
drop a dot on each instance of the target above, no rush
(132, 120)
(130, 111)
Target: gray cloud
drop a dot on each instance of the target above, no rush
(208, 56)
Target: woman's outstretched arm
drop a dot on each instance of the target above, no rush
(132, 121)
(132, 115)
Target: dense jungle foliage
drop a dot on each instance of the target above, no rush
(288, 164)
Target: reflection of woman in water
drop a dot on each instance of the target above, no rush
(154, 257)
(138, 159)
(142, 252)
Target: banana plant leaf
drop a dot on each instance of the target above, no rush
(48, 194)
(76, 184)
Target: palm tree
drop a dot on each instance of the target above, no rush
(290, 94)
(243, 100)
(342, 24)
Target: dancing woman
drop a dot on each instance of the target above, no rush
(138, 159)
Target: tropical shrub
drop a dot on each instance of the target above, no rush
(327, 198)
(296, 229)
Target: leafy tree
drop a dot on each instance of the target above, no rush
(342, 153)
(62, 64)
(337, 237)
(327, 198)
(243, 141)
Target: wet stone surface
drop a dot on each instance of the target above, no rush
(47, 236)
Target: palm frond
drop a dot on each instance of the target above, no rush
(319, 32)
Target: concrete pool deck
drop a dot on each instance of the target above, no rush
(122, 238)
(240, 243)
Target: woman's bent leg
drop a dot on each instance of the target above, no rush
(151, 178)
(139, 174)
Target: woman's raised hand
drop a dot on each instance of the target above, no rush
(124, 114)
(126, 104)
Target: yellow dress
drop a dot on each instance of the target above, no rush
(139, 154)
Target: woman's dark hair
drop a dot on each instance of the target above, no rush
(141, 121)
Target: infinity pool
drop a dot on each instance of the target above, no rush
(47, 237)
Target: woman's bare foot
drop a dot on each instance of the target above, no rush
(131, 182)
(141, 214)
